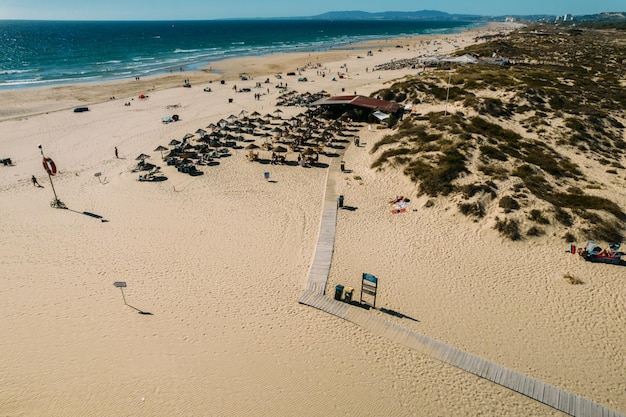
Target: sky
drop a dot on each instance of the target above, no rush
(224, 9)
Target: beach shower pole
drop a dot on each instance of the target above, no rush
(49, 176)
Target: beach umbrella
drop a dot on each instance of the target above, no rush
(142, 157)
(212, 126)
(188, 136)
(232, 117)
(255, 114)
(280, 149)
(201, 132)
(243, 113)
(160, 148)
(278, 111)
(252, 146)
(222, 122)
(174, 142)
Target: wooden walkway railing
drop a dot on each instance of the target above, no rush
(314, 296)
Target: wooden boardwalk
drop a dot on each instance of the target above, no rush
(314, 296)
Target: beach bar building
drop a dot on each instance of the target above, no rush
(360, 108)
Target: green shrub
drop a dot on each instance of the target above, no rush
(563, 217)
(569, 237)
(472, 209)
(437, 179)
(537, 216)
(492, 152)
(470, 190)
(508, 203)
(606, 231)
(508, 228)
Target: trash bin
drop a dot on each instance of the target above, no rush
(340, 201)
(347, 294)
(266, 175)
(230, 100)
(338, 291)
(342, 166)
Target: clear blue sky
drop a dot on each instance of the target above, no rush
(218, 9)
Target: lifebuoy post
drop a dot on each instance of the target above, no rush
(51, 169)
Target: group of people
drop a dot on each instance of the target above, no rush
(277, 159)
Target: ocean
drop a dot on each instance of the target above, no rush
(45, 53)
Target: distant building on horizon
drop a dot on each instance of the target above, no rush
(565, 18)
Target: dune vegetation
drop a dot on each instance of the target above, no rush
(541, 110)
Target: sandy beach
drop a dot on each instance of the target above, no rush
(219, 260)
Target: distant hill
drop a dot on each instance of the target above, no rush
(422, 15)
(604, 17)
(437, 16)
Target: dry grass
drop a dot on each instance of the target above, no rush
(557, 92)
(572, 279)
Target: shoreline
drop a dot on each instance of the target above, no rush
(67, 96)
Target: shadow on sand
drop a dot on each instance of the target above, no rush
(89, 214)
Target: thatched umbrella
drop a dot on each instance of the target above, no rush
(188, 136)
(252, 146)
(280, 149)
(174, 142)
(201, 132)
(160, 148)
(255, 114)
(215, 143)
(142, 157)
(232, 117)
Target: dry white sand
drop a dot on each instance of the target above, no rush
(219, 260)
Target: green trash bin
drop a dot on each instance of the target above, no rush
(338, 292)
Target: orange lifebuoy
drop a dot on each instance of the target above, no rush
(49, 166)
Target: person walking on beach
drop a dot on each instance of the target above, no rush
(35, 183)
(116, 154)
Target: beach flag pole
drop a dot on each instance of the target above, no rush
(56, 199)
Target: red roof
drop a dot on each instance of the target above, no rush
(360, 101)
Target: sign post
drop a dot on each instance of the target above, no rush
(369, 287)
(121, 285)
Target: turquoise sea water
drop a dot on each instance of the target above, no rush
(42, 53)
